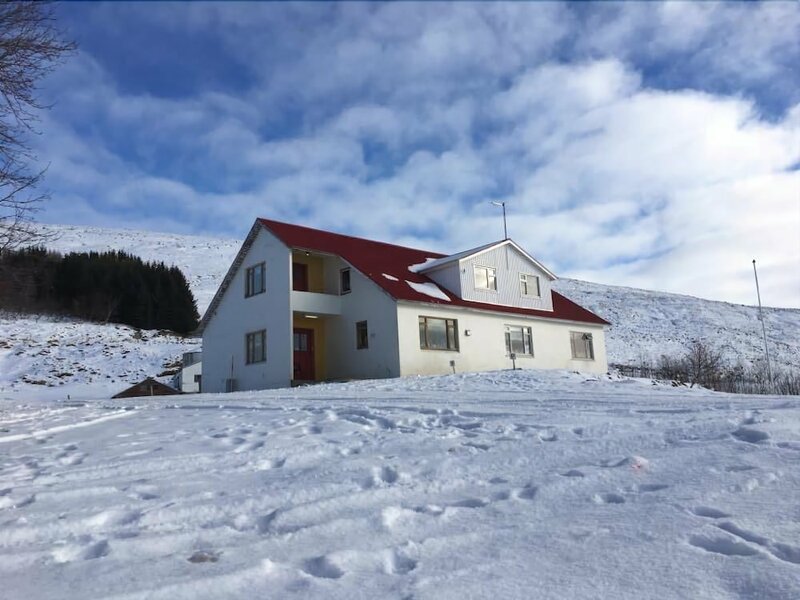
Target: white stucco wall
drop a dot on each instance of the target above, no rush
(235, 316)
(484, 349)
(508, 263)
(188, 384)
(366, 302)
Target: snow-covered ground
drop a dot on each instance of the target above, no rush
(499, 485)
(52, 358)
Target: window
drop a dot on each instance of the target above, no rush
(362, 335)
(529, 285)
(256, 346)
(438, 334)
(582, 346)
(519, 340)
(254, 280)
(344, 281)
(485, 278)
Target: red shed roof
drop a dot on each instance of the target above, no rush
(376, 259)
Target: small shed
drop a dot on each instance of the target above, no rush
(148, 387)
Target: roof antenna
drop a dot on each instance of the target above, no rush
(505, 227)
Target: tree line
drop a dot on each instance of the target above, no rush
(703, 364)
(109, 287)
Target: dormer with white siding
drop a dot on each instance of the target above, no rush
(500, 273)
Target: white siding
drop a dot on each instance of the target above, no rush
(224, 335)
(188, 384)
(508, 263)
(484, 349)
(366, 302)
(448, 277)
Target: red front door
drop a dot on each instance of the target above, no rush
(300, 277)
(304, 354)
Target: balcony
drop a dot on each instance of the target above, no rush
(316, 304)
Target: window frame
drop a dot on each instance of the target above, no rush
(342, 290)
(525, 329)
(362, 343)
(524, 285)
(249, 279)
(586, 336)
(488, 269)
(249, 351)
(450, 325)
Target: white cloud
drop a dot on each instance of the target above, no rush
(606, 176)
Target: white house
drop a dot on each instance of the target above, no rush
(300, 304)
(188, 379)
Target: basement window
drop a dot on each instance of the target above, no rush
(582, 345)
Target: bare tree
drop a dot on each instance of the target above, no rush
(703, 363)
(30, 47)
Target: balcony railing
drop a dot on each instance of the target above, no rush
(315, 303)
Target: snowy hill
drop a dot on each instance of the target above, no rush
(56, 357)
(645, 324)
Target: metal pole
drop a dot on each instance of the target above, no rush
(505, 226)
(763, 326)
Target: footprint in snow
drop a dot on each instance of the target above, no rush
(722, 545)
(573, 473)
(709, 512)
(526, 493)
(608, 498)
(651, 487)
(751, 436)
(204, 556)
(322, 567)
(84, 548)
(398, 561)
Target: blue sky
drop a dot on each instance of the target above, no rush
(652, 145)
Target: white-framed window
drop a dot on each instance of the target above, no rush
(519, 340)
(438, 334)
(485, 277)
(344, 281)
(529, 285)
(256, 347)
(582, 345)
(362, 335)
(255, 282)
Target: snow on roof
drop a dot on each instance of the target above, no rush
(390, 277)
(432, 263)
(429, 289)
(423, 265)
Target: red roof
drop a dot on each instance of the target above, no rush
(374, 259)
